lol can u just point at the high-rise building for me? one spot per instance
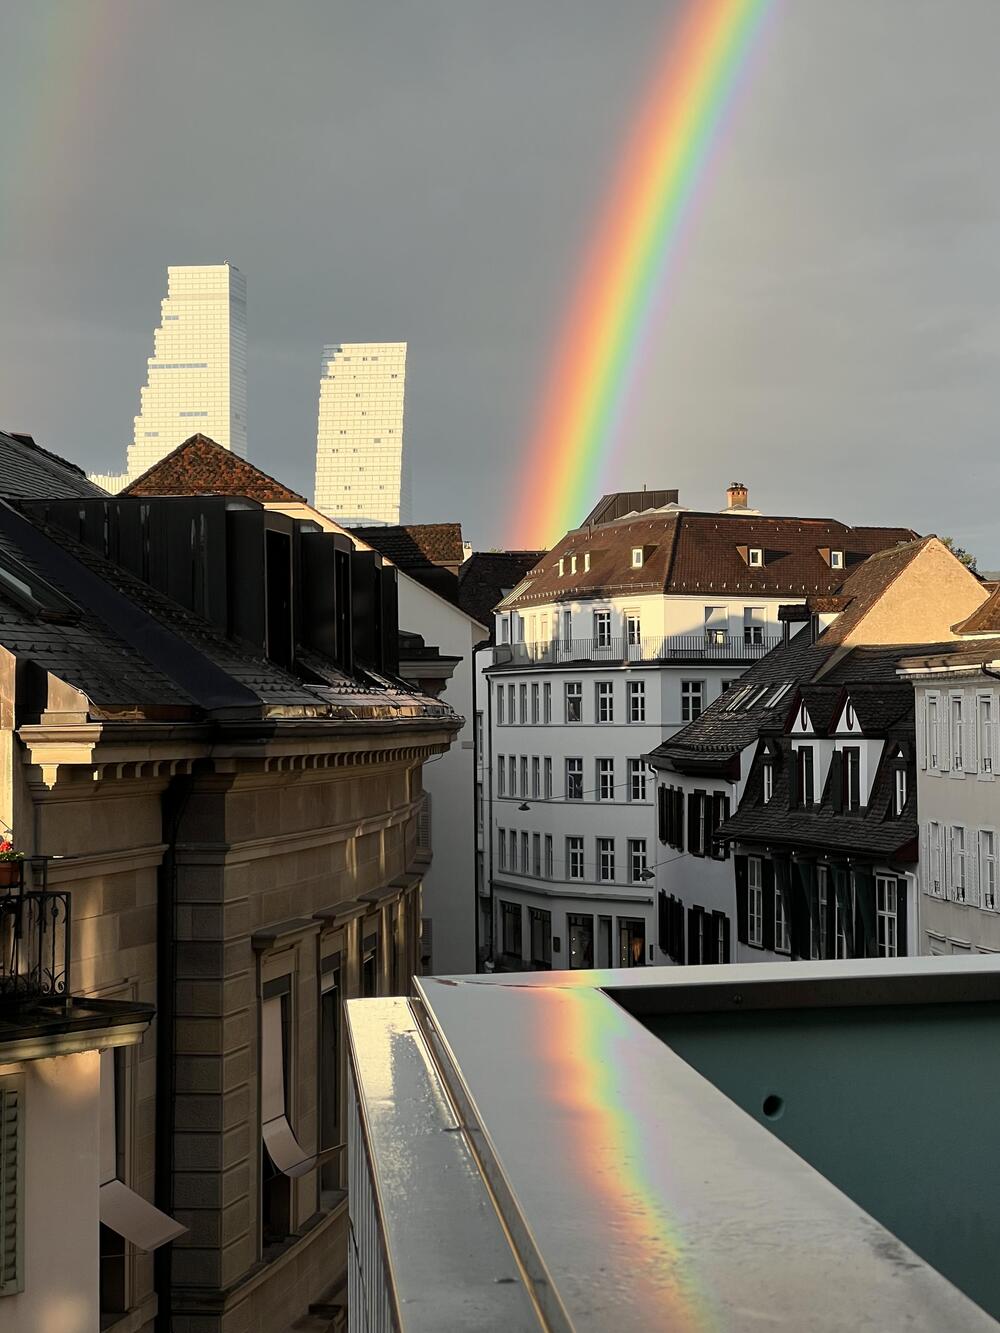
(360, 473)
(196, 379)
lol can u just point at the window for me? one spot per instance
(636, 696)
(330, 1056)
(574, 858)
(957, 723)
(500, 709)
(548, 856)
(502, 848)
(818, 933)
(631, 942)
(720, 813)
(768, 780)
(807, 781)
(504, 625)
(572, 564)
(958, 881)
(778, 694)
(633, 629)
(281, 1152)
(535, 711)
(605, 701)
(988, 869)
(839, 929)
(984, 726)
(536, 855)
(512, 775)
(574, 779)
(512, 847)
(12, 1203)
(606, 860)
(574, 701)
(510, 929)
(755, 913)
(580, 930)
(836, 560)
(605, 779)
(753, 624)
(524, 775)
(536, 777)
(852, 777)
(501, 776)
(932, 731)
(562, 567)
(636, 860)
(525, 864)
(782, 936)
(479, 733)
(636, 780)
(602, 629)
(567, 628)
(523, 697)
(511, 705)
(755, 557)
(547, 771)
(586, 562)
(887, 922)
(900, 791)
(637, 557)
(716, 625)
(692, 699)
(547, 702)
(935, 877)
(540, 929)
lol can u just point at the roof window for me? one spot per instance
(562, 566)
(586, 562)
(755, 557)
(637, 557)
(779, 694)
(736, 701)
(836, 560)
(572, 564)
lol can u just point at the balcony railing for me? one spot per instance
(34, 941)
(747, 647)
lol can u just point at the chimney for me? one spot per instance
(737, 495)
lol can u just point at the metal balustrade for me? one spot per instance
(34, 941)
(619, 649)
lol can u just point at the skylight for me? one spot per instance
(779, 693)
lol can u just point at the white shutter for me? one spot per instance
(970, 733)
(925, 872)
(921, 720)
(11, 1183)
(972, 868)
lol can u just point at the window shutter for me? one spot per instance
(727, 952)
(678, 825)
(742, 906)
(924, 864)
(11, 1183)
(424, 821)
(972, 869)
(767, 880)
(694, 800)
(663, 922)
(970, 736)
(921, 724)
(837, 780)
(902, 888)
(864, 884)
(725, 816)
(693, 913)
(711, 823)
(677, 931)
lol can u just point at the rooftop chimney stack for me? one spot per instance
(737, 495)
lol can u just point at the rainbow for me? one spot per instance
(577, 426)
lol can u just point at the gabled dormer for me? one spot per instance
(833, 556)
(754, 557)
(802, 723)
(846, 722)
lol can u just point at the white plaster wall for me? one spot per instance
(61, 1185)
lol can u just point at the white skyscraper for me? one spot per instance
(360, 474)
(196, 379)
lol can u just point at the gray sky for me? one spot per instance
(429, 171)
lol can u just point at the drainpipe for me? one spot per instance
(487, 795)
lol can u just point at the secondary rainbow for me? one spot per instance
(621, 282)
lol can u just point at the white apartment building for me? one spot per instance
(958, 714)
(360, 473)
(196, 379)
(626, 631)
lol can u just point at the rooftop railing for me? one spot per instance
(34, 937)
(618, 649)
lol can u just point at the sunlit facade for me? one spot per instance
(360, 473)
(196, 379)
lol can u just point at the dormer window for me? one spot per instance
(836, 560)
(755, 557)
(572, 564)
(637, 557)
(562, 567)
(768, 780)
(899, 803)
(586, 562)
(849, 717)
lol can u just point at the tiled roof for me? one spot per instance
(958, 653)
(488, 576)
(984, 620)
(411, 545)
(706, 553)
(27, 471)
(199, 466)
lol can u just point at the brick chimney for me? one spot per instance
(737, 495)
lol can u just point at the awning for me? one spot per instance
(132, 1217)
(283, 1147)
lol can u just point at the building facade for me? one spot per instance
(361, 477)
(196, 379)
(623, 634)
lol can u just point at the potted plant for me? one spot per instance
(10, 863)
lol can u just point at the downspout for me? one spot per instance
(173, 803)
(487, 796)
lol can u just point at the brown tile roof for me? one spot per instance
(199, 466)
(984, 620)
(412, 544)
(488, 576)
(705, 553)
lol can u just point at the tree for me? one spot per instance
(960, 553)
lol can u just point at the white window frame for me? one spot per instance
(935, 842)
(547, 778)
(576, 773)
(547, 703)
(637, 557)
(636, 692)
(605, 779)
(690, 690)
(604, 701)
(574, 857)
(535, 703)
(900, 789)
(768, 781)
(887, 915)
(573, 690)
(755, 557)
(984, 729)
(606, 860)
(755, 901)
(933, 737)
(501, 776)
(502, 848)
(633, 629)
(501, 720)
(988, 869)
(636, 859)
(836, 560)
(958, 879)
(602, 629)
(548, 856)
(782, 940)
(637, 784)
(956, 732)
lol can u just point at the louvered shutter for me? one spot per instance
(679, 818)
(11, 1183)
(742, 906)
(662, 921)
(767, 881)
(663, 813)
(970, 734)
(924, 872)
(693, 914)
(972, 868)
(678, 930)
(921, 724)
(902, 889)
(424, 822)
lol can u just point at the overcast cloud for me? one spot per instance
(428, 170)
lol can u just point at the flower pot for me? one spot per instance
(10, 873)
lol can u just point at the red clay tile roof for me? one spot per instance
(411, 544)
(984, 620)
(705, 553)
(199, 466)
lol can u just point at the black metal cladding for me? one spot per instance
(325, 595)
(366, 608)
(390, 620)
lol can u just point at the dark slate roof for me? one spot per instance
(199, 466)
(959, 653)
(984, 620)
(27, 471)
(698, 552)
(488, 576)
(413, 545)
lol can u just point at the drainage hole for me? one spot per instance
(773, 1106)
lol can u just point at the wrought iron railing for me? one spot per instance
(34, 941)
(746, 647)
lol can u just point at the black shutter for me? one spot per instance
(804, 885)
(663, 813)
(725, 816)
(678, 931)
(795, 778)
(662, 920)
(837, 781)
(864, 884)
(679, 819)
(767, 892)
(742, 906)
(901, 917)
(693, 914)
(694, 805)
(796, 898)
(726, 946)
(711, 823)
(842, 889)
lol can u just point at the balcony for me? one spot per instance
(34, 938)
(657, 649)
